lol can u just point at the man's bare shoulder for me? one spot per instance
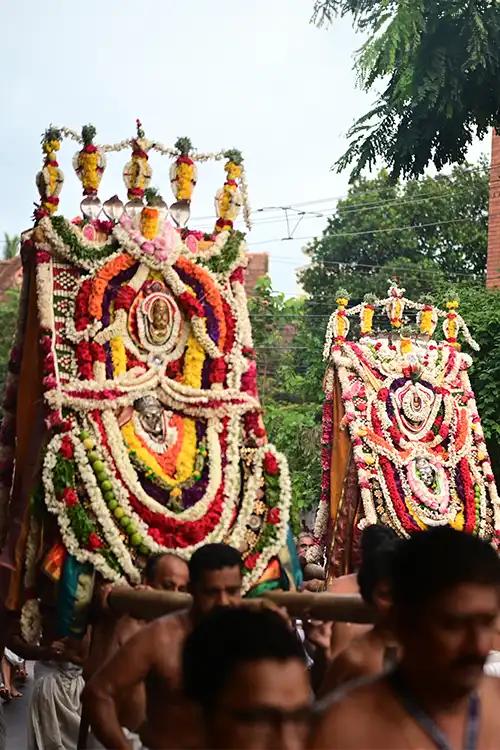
(342, 714)
(126, 628)
(357, 693)
(490, 687)
(343, 585)
(178, 622)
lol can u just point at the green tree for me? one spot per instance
(425, 232)
(437, 65)
(11, 245)
(481, 310)
(8, 321)
(290, 372)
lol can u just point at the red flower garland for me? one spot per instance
(125, 297)
(271, 465)
(190, 305)
(469, 498)
(398, 502)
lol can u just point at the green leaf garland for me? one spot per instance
(79, 251)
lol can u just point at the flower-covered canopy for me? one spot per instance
(402, 438)
(132, 421)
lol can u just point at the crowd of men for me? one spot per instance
(238, 673)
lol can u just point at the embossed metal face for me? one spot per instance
(151, 416)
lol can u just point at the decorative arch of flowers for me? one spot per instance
(418, 448)
(132, 307)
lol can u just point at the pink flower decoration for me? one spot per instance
(126, 221)
(191, 243)
(148, 247)
(169, 236)
(89, 232)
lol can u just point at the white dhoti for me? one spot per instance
(492, 666)
(54, 713)
(12, 658)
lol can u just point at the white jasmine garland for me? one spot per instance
(57, 244)
(44, 292)
(199, 326)
(100, 509)
(31, 622)
(243, 329)
(282, 528)
(58, 508)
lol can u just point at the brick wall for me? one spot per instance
(258, 266)
(493, 263)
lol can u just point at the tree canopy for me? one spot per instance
(427, 232)
(11, 245)
(438, 67)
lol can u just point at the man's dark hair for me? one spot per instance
(226, 638)
(431, 562)
(212, 557)
(378, 546)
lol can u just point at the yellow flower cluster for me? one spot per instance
(53, 179)
(233, 170)
(406, 345)
(184, 181)
(415, 517)
(193, 367)
(458, 522)
(426, 322)
(341, 327)
(452, 304)
(451, 329)
(150, 221)
(118, 356)
(366, 320)
(49, 147)
(225, 200)
(145, 456)
(396, 310)
(136, 173)
(90, 175)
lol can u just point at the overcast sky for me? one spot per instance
(251, 74)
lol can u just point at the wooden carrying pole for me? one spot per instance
(146, 605)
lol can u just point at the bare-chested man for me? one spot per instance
(154, 656)
(345, 632)
(245, 670)
(366, 654)
(446, 596)
(164, 573)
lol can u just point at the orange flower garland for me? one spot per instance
(102, 279)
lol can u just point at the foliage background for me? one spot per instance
(428, 233)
